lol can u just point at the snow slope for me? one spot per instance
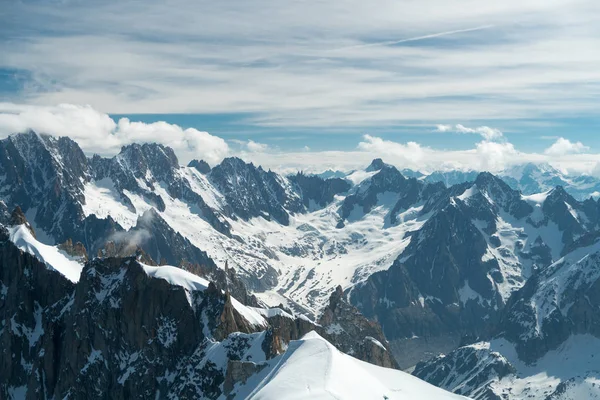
(50, 255)
(312, 368)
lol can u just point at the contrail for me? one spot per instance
(414, 39)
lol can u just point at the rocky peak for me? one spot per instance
(155, 158)
(376, 165)
(496, 191)
(559, 194)
(201, 165)
(253, 192)
(17, 217)
(320, 191)
(76, 250)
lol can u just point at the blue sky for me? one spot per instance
(527, 135)
(309, 73)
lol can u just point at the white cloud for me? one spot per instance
(494, 156)
(596, 170)
(256, 147)
(410, 153)
(564, 146)
(485, 131)
(97, 132)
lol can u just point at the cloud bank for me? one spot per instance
(97, 132)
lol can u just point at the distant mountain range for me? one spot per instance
(529, 178)
(498, 272)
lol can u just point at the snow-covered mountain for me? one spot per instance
(529, 178)
(433, 266)
(546, 342)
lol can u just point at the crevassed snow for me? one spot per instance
(50, 255)
(312, 368)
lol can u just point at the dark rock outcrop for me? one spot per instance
(253, 192)
(201, 165)
(321, 191)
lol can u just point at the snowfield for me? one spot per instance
(312, 368)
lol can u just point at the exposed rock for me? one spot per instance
(320, 191)
(74, 250)
(18, 218)
(254, 192)
(201, 165)
(239, 372)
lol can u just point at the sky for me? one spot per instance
(311, 84)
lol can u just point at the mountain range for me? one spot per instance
(136, 276)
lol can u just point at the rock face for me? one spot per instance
(346, 328)
(202, 166)
(253, 192)
(162, 243)
(467, 371)
(320, 191)
(142, 169)
(45, 176)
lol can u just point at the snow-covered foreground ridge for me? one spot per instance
(312, 368)
(68, 266)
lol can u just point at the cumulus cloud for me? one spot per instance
(256, 147)
(97, 132)
(494, 156)
(564, 146)
(411, 153)
(485, 131)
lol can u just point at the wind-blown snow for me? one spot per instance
(177, 276)
(50, 255)
(312, 368)
(190, 282)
